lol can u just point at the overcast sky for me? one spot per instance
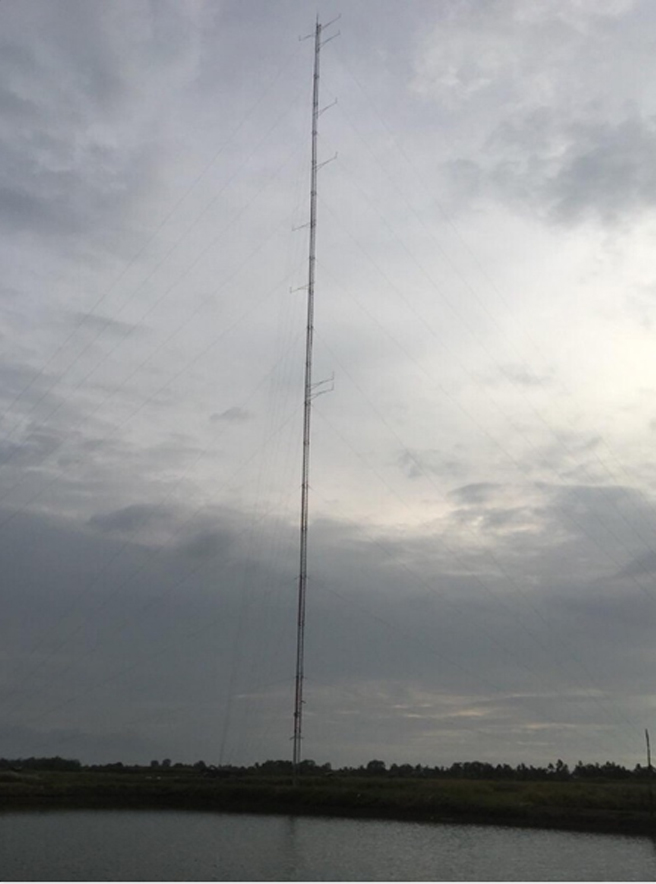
(483, 511)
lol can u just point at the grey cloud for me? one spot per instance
(15, 55)
(15, 105)
(63, 171)
(102, 324)
(560, 129)
(478, 492)
(639, 566)
(130, 519)
(417, 463)
(205, 544)
(55, 203)
(572, 455)
(201, 538)
(49, 442)
(499, 518)
(505, 511)
(607, 173)
(22, 210)
(597, 170)
(14, 377)
(32, 450)
(615, 523)
(391, 630)
(591, 495)
(524, 376)
(24, 742)
(125, 616)
(30, 396)
(235, 414)
(81, 39)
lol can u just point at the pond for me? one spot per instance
(104, 845)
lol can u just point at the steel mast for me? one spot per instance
(307, 413)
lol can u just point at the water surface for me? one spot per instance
(114, 845)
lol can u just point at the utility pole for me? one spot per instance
(649, 775)
(307, 413)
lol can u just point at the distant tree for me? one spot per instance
(154, 763)
(166, 762)
(614, 771)
(279, 768)
(561, 770)
(375, 767)
(54, 763)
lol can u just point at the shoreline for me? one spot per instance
(525, 805)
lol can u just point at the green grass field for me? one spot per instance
(592, 806)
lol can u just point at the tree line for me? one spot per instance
(467, 770)
(471, 770)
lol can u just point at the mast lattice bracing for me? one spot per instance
(307, 413)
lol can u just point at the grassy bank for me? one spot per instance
(598, 806)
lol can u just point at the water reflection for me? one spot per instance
(191, 846)
(291, 858)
